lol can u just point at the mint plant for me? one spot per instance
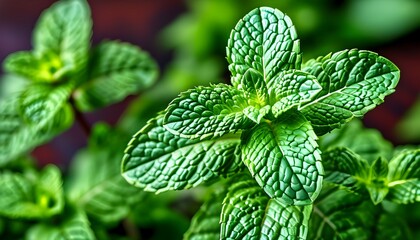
(260, 132)
(64, 76)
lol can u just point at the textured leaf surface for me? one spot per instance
(96, 184)
(345, 168)
(157, 160)
(17, 137)
(31, 196)
(264, 40)
(64, 31)
(116, 70)
(284, 158)
(248, 213)
(206, 112)
(404, 177)
(353, 82)
(74, 225)
(205, 223)
(291, 89)
(339, 214)
(41, 102)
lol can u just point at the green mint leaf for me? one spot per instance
(264, 40)
(339, 214)
(404, 177)
(17, 137)
(290, 89)
(157, 160)
(116, 70)
(73, 225)
(284, 158)
(63, 32)
(96, 184)
(366, 142)
(377, 185)
(391, 227)
(31, 197)
(254, 87)
(353, 82)
(345, 168)
(27, 65)
(205, 223)
(206, 112)
(41, 102)
(248, 213)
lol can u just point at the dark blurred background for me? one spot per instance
(188, 39)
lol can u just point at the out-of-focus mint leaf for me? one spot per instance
(116, 70)
(63, 33)
(31, 197)
(95, 184)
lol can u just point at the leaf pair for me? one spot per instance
(397, 181)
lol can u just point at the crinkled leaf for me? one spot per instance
(73, 224)
(366, 142)
(254, 87)
(205, 225)
(157, 160)
(339, 214)
(248, 213)
(18, 137)
(206, 112)
(63, 31)
(284, 158)
(96, 184)
(404, 177)
(291, 89)
(257, 113)
(41, 102)
(116, 70)
(264, 40)
(31, 197)
(345, 168)
(353, 82)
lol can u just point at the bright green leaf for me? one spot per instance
(157, 160)
(340, 214)
(27, 65)
(345, 168)
(284, 158)
(17, 137)
(96, 184)
(264, 40)
(253, 85)
(31, 197)
(63, 32)
(291, 89)
(404, 177)
(116, 70)
(206, 112)
(248, 213)
(353, 82)
(73, 224)
(205, 223)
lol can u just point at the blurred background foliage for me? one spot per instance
(188, 38)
